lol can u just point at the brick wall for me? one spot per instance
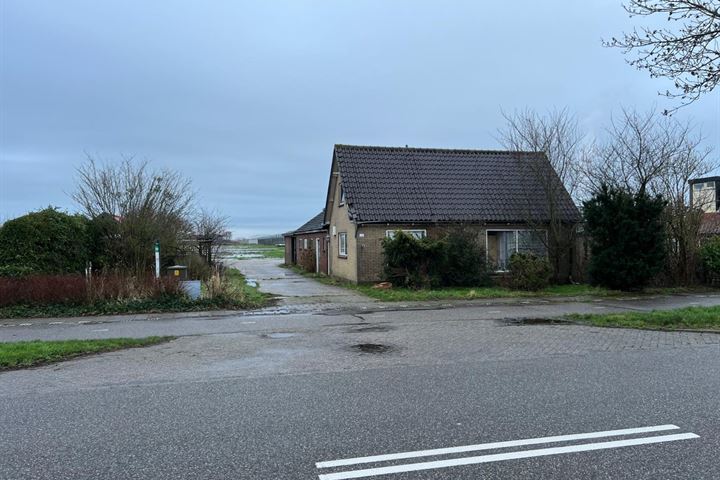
(370, 252)
(288, 250)
(341, 267)
(305, 257)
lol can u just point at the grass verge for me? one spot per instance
(238, 296)
(459, 293)
(14, 355)
(473, 293)
(691, 318)
(469, 293)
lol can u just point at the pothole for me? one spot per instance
(372, 348)
(277, 335)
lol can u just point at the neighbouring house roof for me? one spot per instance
(693, 181)
(313, 225)
(710, 224)
(395, 184)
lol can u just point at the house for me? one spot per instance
(309, 245)
(375, 191)
(705, 194)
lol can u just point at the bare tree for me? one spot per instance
(683, 219)
(689, 54)
(640, 150)
(149, 205)
(637, 152)
(658, 155)
(209, 232)
(558, 135)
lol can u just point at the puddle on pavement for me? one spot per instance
(533, 321)
(251, 282)
(372, 348)
(278, 335)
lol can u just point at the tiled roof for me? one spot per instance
(710, 224)
(394, 184)
(315, 223)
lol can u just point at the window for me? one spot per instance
(342, 195)
(531, 241)
(342, 244)
(305, 243)
(417, 234)
(501, 244)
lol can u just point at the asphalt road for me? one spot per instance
(271, 403)
(311, 315)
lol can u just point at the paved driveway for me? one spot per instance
(292, 288)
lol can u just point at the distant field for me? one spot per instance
(241, 252)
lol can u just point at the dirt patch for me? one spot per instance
(534, 321)
(371, 328)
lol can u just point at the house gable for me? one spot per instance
(343, 254)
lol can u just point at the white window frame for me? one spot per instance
(342, 244)
(516, 230)
(423, 233)
(305, 243)
(342, 196)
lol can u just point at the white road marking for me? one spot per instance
(56, 323)
(247, 323)
(493, 445)
(495, 311)
(101, 330)
(24, 324)
(587, 447)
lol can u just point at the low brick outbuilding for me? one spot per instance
(309, 245)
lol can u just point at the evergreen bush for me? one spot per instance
(710, 256)
(454, 260)
(44, 242)
(627, 238)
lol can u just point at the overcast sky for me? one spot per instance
(248, 98)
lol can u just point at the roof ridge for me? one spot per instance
(437, 149)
